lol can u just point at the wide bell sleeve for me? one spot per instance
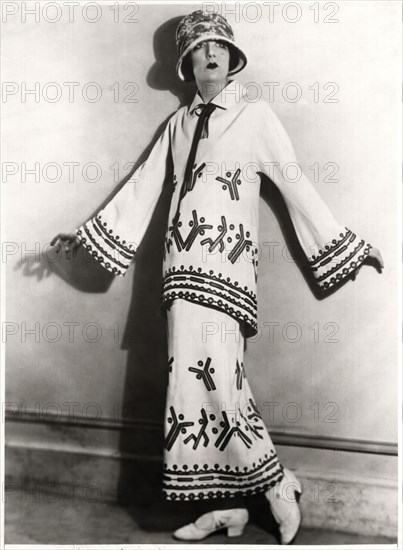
(114, 233)
(333, 250)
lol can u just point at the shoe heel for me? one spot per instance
(235, 530)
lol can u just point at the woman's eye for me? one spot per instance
(200, 45)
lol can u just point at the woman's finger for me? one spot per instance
(64, 237)
(381, 262)
(355, 273)
(55, 239)
(376, 254)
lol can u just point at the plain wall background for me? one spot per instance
(127, 374)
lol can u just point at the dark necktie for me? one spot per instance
(201, 131)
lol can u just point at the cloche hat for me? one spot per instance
(199, 26)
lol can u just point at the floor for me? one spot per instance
(40, 518)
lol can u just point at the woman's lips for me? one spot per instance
(212, 66)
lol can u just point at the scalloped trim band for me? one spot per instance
(212, 290)
(105, 247)
(204, 482)
(338, 261)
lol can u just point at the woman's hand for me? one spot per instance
(67, 242)
(374, 258)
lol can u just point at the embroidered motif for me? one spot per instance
(196, 229)
(240, 375)
(178, 427)
(218, 481)
(219, 241)
(241, 245)
(346, 269)
(202, 432)
(205, 374)
(212, 290)
(197, 173)
(114, 260)
(346, 251)
(228, 432)
(331, 249)
(200, 228)
(253, 420)
(231, 184)
(102, 229)
(188, 186)
(255, 262)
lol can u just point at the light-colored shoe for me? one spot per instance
(283, 499)
(233, 520)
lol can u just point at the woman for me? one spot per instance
(216, 444)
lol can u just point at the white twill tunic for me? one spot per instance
(216, 443)
(211, 250)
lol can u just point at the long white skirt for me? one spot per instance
(216, 443)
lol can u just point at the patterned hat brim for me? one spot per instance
(242, 61)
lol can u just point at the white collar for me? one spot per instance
(225, 99)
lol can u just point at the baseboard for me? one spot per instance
(279, 437)
(343, 490)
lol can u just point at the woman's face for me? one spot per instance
(210, 61)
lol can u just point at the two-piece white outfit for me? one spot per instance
(216, 444)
